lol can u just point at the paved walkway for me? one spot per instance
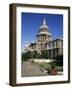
(28, 69)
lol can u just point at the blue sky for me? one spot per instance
(31, 23)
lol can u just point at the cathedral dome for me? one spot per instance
(44, 26)
(44, 29)
(44, 35)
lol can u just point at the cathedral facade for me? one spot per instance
(45, 42)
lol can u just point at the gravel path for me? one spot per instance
(28, 69)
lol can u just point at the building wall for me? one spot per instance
(54, 48)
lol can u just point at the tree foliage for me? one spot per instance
(35, 54)
(26, 56)
(59, 60)
(44, 54)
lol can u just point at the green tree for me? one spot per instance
(26, 56)
(59, 60)
(35, 54)
(44, 54)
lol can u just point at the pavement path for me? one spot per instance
(29, 69)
